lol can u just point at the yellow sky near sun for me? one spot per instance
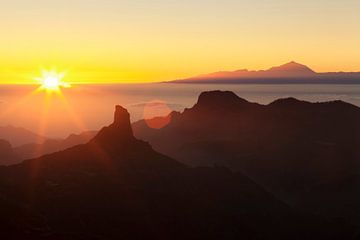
(142, 41)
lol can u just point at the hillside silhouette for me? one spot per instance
(7, 154)
(10, 155)
(33, 150)
(116, 186)
(302, 152)
(17, 136)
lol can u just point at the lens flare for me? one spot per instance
(157, 114)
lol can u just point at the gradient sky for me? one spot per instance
(142, 40)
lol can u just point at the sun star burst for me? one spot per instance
(52, 80)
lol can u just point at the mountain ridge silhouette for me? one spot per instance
(288, 146)
(116, 186)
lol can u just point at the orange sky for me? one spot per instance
(145, 41)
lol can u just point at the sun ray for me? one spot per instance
(51, 85)
(70, 110)
(97, 150)
(36, 164)
(16, 105)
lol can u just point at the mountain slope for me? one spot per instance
(288, 146)
(34, 150)
(19, 136)
(117, 187)
(7, 155)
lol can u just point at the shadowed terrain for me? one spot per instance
(117, 187)
(7, 154)
(307, 154)
(33, 150)
(10, 155)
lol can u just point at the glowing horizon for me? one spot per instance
(140, 41)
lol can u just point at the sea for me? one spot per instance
(90, 107)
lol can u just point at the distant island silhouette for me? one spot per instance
(289, 73)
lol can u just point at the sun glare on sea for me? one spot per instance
(52, 81)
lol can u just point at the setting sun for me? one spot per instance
(52, 80)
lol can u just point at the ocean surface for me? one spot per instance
(90, 107)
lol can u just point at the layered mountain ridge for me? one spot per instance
(17, 136)
(290, 147)
(116, 186)
(34, 150)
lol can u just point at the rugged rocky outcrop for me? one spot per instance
(117, 186)
(290, 147)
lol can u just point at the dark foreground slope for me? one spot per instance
(7, 154)
(308, 154)
(118, 187)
